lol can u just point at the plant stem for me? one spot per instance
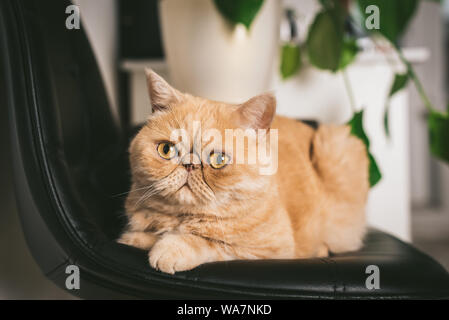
(349, 91)
(415, 79)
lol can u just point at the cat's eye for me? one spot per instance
(218, 160)
(167, 150)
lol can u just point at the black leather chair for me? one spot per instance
(70, 163)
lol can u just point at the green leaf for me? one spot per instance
(290, 60)
(387, 120)
(356, 124)
(239, 11)
(438, 124)
(325, 40)
(400, 82)
(350, 50)
(374, 172)
(394, 16)
(327, 3)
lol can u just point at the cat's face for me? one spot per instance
(187, 153)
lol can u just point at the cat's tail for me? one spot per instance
(341, 162)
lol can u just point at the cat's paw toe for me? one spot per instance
(172, 254)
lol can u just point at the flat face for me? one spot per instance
(196, 154)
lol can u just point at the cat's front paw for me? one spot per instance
(138, 239)
(174, 253)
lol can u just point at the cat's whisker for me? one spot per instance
(152, 190)
(131, 191)
(149, 194)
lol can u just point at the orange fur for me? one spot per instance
(313, 204)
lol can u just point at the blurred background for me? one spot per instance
(190, 44)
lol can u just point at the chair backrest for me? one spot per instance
(68, 150)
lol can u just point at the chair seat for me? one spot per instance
(70, 163)
(405, 273)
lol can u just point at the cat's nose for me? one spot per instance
(190, 166)
(191, 161)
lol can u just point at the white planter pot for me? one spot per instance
(209, 57)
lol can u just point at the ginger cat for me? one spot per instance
(188, 208)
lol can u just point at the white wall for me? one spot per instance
(99, 19)
(426, 30)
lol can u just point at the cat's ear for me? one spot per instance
(258, 112)
(162, 95)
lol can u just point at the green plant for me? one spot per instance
(330, 48)
(239, 11)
